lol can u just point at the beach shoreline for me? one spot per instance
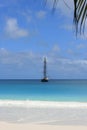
(13, 126)
(42, 104)
(43, 112)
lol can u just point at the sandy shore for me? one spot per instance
(11, 126)
(39, 114)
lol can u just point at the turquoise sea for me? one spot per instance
(54, 90)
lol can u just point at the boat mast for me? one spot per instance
(45, 79)
(45, 67)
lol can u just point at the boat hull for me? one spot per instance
(44, 80)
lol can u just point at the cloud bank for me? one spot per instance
(30, 65)
(13, 30)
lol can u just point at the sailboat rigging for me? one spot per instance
(45, 79)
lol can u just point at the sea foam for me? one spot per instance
(41, 104)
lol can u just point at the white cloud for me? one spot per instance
(13, 30)
(8, 57)
(41, 14)
(71, 68)
(27, 62)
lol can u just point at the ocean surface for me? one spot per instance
(54, 90)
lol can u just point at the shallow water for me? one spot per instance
(54, 90)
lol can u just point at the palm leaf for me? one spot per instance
(80, 13)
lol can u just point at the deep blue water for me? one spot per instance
(54, 90)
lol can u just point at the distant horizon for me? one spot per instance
(40, 79)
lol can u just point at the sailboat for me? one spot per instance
(45, 79)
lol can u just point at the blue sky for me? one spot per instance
(29, 31)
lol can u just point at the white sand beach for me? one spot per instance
(10, 126)
(40, 115)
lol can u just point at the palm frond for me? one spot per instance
(80, 15)
(54, 5)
